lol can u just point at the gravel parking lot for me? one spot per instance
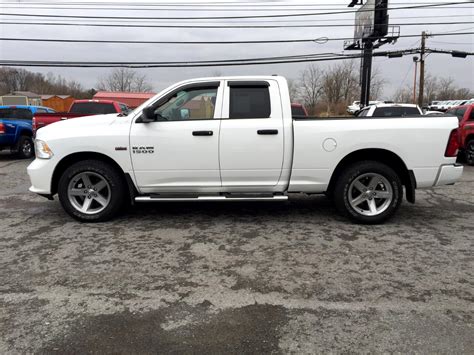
(287, 277)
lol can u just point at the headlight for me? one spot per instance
(42, 150)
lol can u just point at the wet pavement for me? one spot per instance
(279, 277)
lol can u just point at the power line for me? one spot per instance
(197, 4)
(199, 8)
(122, 25)
(315, 57)
(227, 17)
(319, 40)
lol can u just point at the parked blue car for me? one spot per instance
(16, 128)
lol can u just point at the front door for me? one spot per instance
(178, 152)
(251, 137)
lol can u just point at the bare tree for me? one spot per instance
(403, 95)
(310, 87)
(377, 84)
(124, 79)
(340, 83)
(294, 89)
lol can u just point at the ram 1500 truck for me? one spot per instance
(79, 108)
(234, 139)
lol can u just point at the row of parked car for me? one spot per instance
(18, 124)
(444, 106)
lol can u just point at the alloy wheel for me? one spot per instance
(370, 194)
(89, 192)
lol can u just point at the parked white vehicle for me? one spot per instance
(391, 110)
(356, 107)
(234, 139)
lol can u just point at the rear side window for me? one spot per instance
(396, 111)
(16, 114)
(93, 108)
(471, 116)
(249, 101)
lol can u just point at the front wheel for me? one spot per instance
(91, 191)
(469, 152)
(368, 192)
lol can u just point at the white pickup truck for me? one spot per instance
(234, 139)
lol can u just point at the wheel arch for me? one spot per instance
(70, 159)
(383, 156)
(25, 132)
(469, 137)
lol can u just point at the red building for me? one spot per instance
(132, 99)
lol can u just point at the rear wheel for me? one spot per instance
(469, 152)
(91, 191)
(368, 192)
(26, 148)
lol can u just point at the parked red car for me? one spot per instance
(79, 108)
(465, 115)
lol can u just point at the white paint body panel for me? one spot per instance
(301, 158)
(419, 141)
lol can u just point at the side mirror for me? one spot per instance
(184, 113)
(148, 115)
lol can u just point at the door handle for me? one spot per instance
(267, 131)
(203, 133)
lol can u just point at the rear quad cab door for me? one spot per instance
(251, 137)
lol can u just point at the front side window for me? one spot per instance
(193, 103)
(249, 101)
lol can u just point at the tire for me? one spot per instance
(382, 196)
(469, 152)
(26, 148)
(92, 191)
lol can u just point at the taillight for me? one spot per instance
(453, 144)
(2, 128)
(33, 122)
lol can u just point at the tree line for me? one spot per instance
(323, 90)
(328, 91)
(120, 79)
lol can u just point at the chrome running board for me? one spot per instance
(209, 198)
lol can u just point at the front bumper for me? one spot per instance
(449, 174)
(41, 172)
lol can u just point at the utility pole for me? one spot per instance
(422, 69)
(366, 72)
(415, 59)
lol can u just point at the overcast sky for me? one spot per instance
(397, 72)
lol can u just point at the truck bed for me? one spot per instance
(320, 143)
